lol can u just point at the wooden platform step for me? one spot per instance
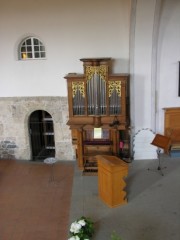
(90, 168)
(90, 173)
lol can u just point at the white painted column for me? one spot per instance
(141, 69)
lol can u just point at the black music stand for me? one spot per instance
(162, 143)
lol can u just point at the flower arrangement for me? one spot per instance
(81, 229)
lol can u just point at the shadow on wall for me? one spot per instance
(142, 147)
(142, 111)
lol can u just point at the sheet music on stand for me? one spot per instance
(161, 142)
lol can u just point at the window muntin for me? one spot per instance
(32, 48)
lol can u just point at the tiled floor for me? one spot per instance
(153, 208)
(32, 206)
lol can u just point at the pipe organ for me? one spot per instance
(98, 99)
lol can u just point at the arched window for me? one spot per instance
(32, 48)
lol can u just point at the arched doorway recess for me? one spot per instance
(41, 135)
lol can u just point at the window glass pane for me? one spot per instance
(28, 41)
(29, 49)
(36, 48)
(36, 41)
(37, 55)
(23, 44)
(42, 48)
(43, 55)
(40, 43)
(23, 49)
(23, 55)
(29, 55)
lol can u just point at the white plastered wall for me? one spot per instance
(70, 30)
(155, 63)
(141, 46)
(168, 60)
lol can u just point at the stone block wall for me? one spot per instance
(14, 126)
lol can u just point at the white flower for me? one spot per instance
(82, 222)
(75, 238)
(75, 227)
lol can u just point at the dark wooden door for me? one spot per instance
(41, 135)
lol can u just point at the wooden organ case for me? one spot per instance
(98, 112)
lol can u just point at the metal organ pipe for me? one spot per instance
(78, 101)
(96, 90)
(96, 94)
